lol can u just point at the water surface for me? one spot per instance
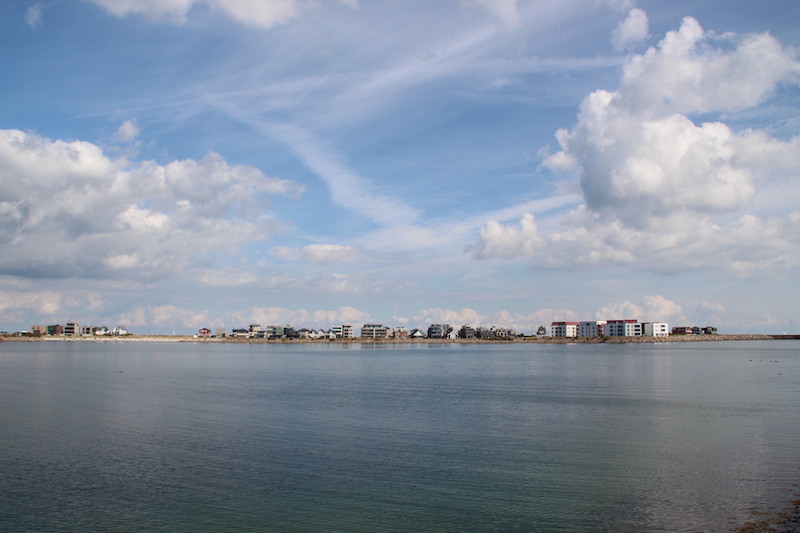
(447, 437)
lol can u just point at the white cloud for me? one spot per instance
(499, 241)
(97, 216)
(322, 254)
(258, 13)
(172, 10)
(321, 318)
(33, 16)
(653, 308)
(436, 315)
(127, 131)
(15, 305)
(662, 192)
(691, 72)
(170, 315)
(521, 323)
(630, 31)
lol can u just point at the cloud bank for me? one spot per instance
(661, 191)
(68, 209)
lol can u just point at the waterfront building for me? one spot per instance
(439, 331)
(345, 331)
(39, 330)
(656, 329)
(72, 328)
(591, 328)
(564, 329)
(400, 333)
(466, 332)
(623, 328)
(374, 331)
(275, 332)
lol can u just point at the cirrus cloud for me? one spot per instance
(258, 13)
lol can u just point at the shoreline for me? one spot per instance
(387, 341)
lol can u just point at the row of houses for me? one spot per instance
(623, 328)
(367, 331)
(71, 329)
(609, 328)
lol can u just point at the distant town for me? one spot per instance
(582, 329)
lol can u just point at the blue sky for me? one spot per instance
(174, 164)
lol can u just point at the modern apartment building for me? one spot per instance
(439, 331)
(564, 329)
(374, 331)
(656, 329)
(591, 328)
(623, 328)
(345, 331)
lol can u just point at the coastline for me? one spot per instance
(360, 340)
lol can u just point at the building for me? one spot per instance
(221, 333)
(623, 328)
(439, 331)
(682, 330)
(466, 332)
(38, 330)
(72, 328)
(656, 329)
(591, 328)
(204, 332)
(345, 331)
(564, 329)
(374, 331)
(400, 333)
(275, 332)
(55, 329)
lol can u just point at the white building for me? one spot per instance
(623, 328)
(564, 329)
(656, 329)
(591, 328)
(345, 331)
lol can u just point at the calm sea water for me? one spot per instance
(222, 437)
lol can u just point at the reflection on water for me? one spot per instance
(440, 437)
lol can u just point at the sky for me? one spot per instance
(168, 165)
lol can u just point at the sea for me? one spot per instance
(207, 437)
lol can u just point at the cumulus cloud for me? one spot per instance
(653, 308)
(67, 209)
(519, 322)
(43, 304)
(258, 13)
(662, 192)
(630, 31)
(321, 318)
(127, 131)
(499, 241)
